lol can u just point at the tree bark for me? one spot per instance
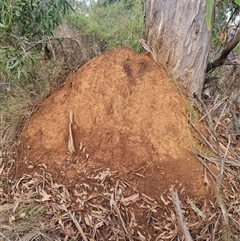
(177, 32)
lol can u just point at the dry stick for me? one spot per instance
(71, 147)
(235, 120)
(78, 227)
(210, 123)
(214, 107)
(180, 217)
(220, 117)
(205, 165)
(144, 171)
(215, 227)
(233, 80)
(121, 219)
(47, 40)
(236, 222)
(227, 234)
(1, 234)
(199, 132)
(53, 52)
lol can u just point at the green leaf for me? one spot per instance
(14, 64)
(208, 16)
(237, 2)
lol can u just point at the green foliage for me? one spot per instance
(23, 21)
(114, 24)
(225, 11)
(209, 12)
(237, 2)
(15, 62)
(29, 18)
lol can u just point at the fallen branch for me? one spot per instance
(2, 235)
(226, 51)
(47, 40)
(180, 217)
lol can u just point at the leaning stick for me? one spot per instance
(71, 147)
(180, 217)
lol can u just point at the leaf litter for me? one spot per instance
(104, 207)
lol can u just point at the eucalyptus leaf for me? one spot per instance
(2, 25)
(209, 12)
(237, 2)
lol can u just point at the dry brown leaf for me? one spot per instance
(6, 207)
(31, 235)
(161, 235)
(223, 35)
(164, 201)
(140, 236)
(22, 215)
(131, 199)
(45, 196)
(11, 219)
(170, 236)
(98, 225)
(88, 220)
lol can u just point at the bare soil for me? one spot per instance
(127, 116)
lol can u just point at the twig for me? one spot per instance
(227, 234)
(215, 227)
(71, 147)
(234, 75)
(204, 138)
(210, 123)
(1, 234)
(220, 117)
(42, 41)
(113, 203)
(78, 227)
(222, 158)
(180, 217)
(53, 52)
(144, 171)
(205, 165)
(235, 121)
(214, 107)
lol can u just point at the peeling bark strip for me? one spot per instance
(177, 32)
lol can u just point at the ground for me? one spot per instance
(127, 116)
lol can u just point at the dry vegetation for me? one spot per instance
(37, 208)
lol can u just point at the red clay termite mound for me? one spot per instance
(127, 116)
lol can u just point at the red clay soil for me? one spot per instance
(127, 116)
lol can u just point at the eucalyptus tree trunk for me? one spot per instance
(178, 35)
